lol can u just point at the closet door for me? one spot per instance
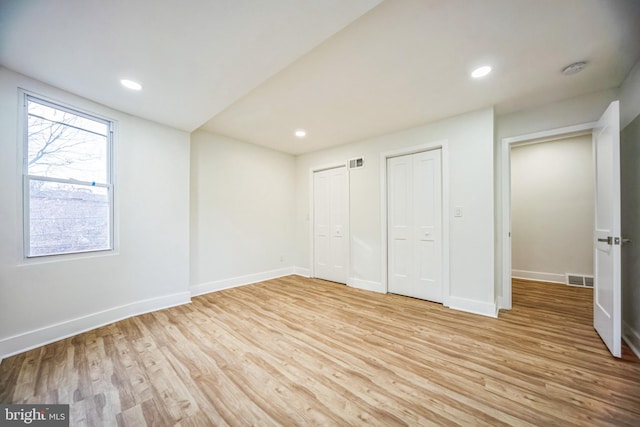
(330, 228)
(414, 200)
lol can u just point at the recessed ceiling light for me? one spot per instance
(301, 133)
(130, 84)
(481, 72)
(576, 67)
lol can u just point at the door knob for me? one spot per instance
(614, 241)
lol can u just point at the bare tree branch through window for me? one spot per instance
(69, 189)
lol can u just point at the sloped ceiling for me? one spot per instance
(194, 58)
(343, 70)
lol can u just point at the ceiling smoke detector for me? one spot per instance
(576, 67)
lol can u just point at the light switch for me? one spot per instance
(458, 212)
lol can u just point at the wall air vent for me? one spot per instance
(356, 163)
(579, 280)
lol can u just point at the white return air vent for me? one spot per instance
(579, 280)
(356, 163)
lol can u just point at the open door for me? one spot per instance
(606, 262)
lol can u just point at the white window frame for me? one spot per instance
(26, 178)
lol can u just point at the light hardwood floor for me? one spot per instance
(295, 351)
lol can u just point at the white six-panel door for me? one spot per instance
(607, 285)
(331, 224)
(414, 201)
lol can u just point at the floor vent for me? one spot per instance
(579, 280)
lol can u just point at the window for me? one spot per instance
(68, 188)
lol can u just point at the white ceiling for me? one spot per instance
(194, 58)
(344, 70)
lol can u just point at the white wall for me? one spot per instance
(630, 198)
(470, 142)
(582, 109)
(630, 96)
(44, 300)
(242, 212)
(552, 209)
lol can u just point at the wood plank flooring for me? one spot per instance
(295, 351)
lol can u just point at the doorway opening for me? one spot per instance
(552, 210)
(606, 227)
(507, 145)
(552, 217)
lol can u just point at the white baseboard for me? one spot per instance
(632, 338)
(232, 282)
(472, 306)
(539, 276)
(301, 271)
(38, 337)
(366, 285)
